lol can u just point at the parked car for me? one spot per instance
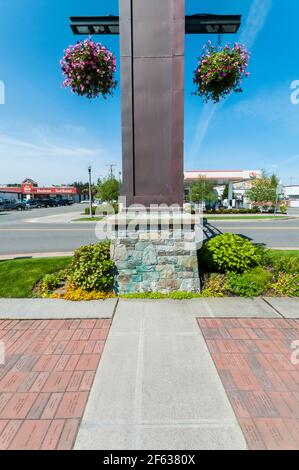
(32, 204)
(11, 204)
(6, 204)
(47, 202)
(20, 206)
(97, 202)
(64, 202)
(61, 202)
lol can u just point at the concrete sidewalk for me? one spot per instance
(64, 218)
(157, 386)
(38, 309)
(227, 307)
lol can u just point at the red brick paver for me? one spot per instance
(46, 380)
(253, 359)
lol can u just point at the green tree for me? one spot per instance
(83, 188)
(263, 189)
(225, 192)
(109, 189)
(202, 190)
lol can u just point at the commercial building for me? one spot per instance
(238, 182)
(29, 189)
(292, 195)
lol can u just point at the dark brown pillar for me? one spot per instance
(152, 83)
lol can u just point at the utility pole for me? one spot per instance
(278, 194)
(90, 193)
(111, 170)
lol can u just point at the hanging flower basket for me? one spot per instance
(220, 71)
(89, 69)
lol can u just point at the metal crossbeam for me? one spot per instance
(195, 24)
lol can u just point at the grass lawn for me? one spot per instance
(283, 253)
(245, 217)
(88, 219)
(18, 277)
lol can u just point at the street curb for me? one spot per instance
(55, 254)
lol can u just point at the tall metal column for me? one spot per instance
(152, 35)
(152, 82)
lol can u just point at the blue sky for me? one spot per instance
(48, 134)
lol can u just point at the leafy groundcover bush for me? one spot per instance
(92, 268)
(51, 282)
(249, 284)
(77, 294)
(231, 265)
(91, 276)
(286, 285)
(214, 285)
(289, 265)
(229, 253)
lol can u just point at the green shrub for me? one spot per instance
(178, 295)
(229, 253)
(53, 281)
(265, 254)
(183, 295)
(214, 285)
(76, 294)
(286, 264)
(249, 284)
(222, 210)
(287, 285)
(144, 295)
(101, 209)
(92, 268)
(87, 210)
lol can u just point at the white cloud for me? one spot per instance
(255, 22)
(271, 107)
(49, 155)
(41, 148)
(202, 129)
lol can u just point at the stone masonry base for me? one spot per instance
(156, 261)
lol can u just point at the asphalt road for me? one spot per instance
(21, 233)
(28, 232)
(273, 233)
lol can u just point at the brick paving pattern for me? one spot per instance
(253, 359)
(46, 379)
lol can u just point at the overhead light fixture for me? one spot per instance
(195, 24)
(213, 24)
(95, 25)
